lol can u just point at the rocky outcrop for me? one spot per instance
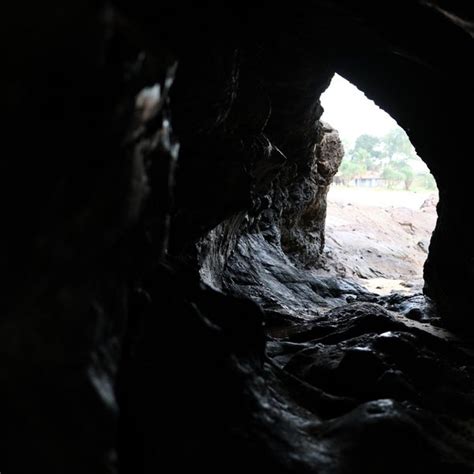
(262, 254)
(302, 232)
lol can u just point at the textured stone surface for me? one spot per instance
(114, 357)
(406, 374)
(269, 254)
(302, 230)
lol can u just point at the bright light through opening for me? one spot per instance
(381, 207)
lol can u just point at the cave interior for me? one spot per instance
(163, 211)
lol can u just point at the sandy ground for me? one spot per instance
(379, 237)
(378, 197)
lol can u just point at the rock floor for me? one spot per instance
(384, 385)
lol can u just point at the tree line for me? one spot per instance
(389, 157)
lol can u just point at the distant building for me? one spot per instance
(366, 180)
(369, 180)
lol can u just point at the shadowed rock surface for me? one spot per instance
(165, 174)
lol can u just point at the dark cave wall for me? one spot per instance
(91, 312)
(422, 79)
(76, 171)
(420, 76)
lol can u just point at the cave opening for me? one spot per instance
(381, 206)
(166, 174)
(318, 233)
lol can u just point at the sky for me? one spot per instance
(348, 110)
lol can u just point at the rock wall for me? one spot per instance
(418, 77)
(114, 355)
(270, 252)
(305, 214)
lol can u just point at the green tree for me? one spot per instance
(389, 155)
(392, 175)
(399, 171)
(367, 150)
(426, 181)
(397, 145)
(368, 143)
(349, 169)
(406, 170)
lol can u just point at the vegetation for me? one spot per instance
(389, 158)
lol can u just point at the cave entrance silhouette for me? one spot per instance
(382, 203)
